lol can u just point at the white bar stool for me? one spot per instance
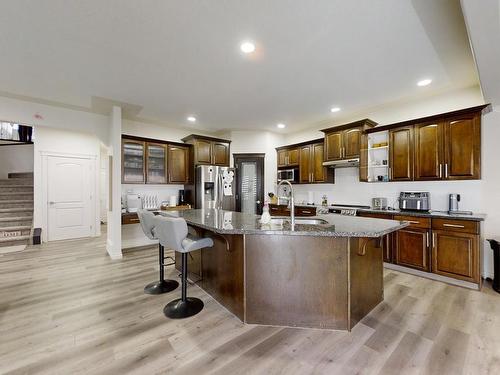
(173, 233)
(147, 220)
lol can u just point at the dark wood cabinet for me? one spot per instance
(209, 150)
(178, 164)
(283, 210)
(334, 146)
(156, 163)
(412, 248)
(387, 240)
(288, 157)
(446, 146)
(455, 254)
(311, 169)
(462, 147)
(429, 151)
(344, 141)
(133, 161)
(401, 154)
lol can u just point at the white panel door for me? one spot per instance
(69, 198)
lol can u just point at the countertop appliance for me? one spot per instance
(379, 203)
(134, 202)
(415, 201)
(290, 175)
(215, 187)
(453, 202)
(182, 197)
(345, 209)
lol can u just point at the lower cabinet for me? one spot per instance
(455, 254)
(282, 210)
(412, 248)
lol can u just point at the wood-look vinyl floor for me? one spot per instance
(67, 308)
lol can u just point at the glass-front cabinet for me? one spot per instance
(133, 162)
(156, 170)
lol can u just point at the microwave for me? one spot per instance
(291, 175)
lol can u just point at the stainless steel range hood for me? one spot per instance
(347, 163)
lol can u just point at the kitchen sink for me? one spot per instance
(298, 220)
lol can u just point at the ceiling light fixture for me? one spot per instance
(247, 47)
(281, 126)
(424, 82)
(334, 109)
(191, 119)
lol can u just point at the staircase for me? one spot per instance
(16, 209)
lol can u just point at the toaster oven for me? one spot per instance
(415, 201)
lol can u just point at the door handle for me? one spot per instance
(51, 203)
(446, 170)
(440, 170)
(427, 238)
(258, 202)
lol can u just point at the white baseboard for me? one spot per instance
(113, 253)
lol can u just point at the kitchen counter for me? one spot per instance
(321, 276)
(431, 214)
(229, 222)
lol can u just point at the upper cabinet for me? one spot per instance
(153, 161)
(311, 169)
(178, 164)
(208, 150)
(288, 157)
(440, 147)
(344, 141)
(133, 161)
(401, 154)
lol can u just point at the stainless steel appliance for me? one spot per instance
(290, 175)
(346, 163)
(415, 201)
(345, 209)
(182, 197)
(379, 203)
(453, 202)
(215, 187)
(134, 202)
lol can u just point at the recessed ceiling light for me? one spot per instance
(191, 119)
(424, 82)
(281, 126)
(334, 109)
(247, 47)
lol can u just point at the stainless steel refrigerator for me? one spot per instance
(215, 187)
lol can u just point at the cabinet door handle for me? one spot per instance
(427, 238)
(433, 240)
(446, 170)
(453, 225)
(440, 170)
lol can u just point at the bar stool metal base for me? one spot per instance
(160, 287)
(178, 309)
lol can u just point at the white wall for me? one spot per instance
(162, 132)
(51, 140)
(15, 158)
(258, 142)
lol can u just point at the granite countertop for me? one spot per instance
(431, 214)
(229, 222)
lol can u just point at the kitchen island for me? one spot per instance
(326, 272)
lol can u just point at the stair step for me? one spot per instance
(20, 203)
(15, 221)
(16, 211)
(16, 181)
(15, 228)
(16, 188)
(20, 175)
(14, 195)
(14, 241)
(15, 232)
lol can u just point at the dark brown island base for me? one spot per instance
(326, 272)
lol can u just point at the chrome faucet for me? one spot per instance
(291, 205)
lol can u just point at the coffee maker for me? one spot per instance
(182, 197)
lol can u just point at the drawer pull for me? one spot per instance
(134, 220)
(414, 222)
(453, 225)
(305, 211)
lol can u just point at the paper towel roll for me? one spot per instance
(310, 197)
(173, 200)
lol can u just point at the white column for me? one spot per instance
(114, 240)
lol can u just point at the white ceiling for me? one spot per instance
(170, 59)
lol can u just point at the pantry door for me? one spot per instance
(249, 182)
